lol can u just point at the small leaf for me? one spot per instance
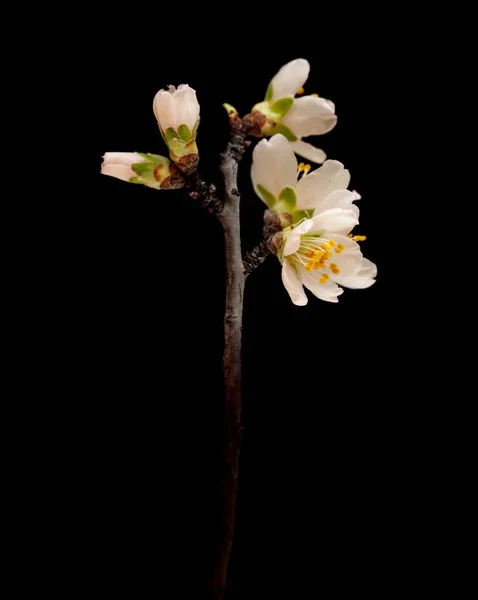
(185, 132)
(289, 198)
(231, 111)
(269, 93)
(281, 107)
(268, 198)
(170, 134)
(286, 132)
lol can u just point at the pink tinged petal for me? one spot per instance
(121, 158)
(293, 285)
(328, 292)
(165, 110)
(119, 171)
(309, 152)
(292, 243)
(187, 106)
(290, 78)
(312, 189)
(335, 220)
(310, 116)
(274, 165)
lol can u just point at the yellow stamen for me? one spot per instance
(314, 95)
(301, 166)
(322, 280)
(300, 91)
(306, 169)
(340, 248)
(359, 238)
(350, 235)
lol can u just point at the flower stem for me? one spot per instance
(235, 279)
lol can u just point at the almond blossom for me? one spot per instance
(294, 117)
(319, 251)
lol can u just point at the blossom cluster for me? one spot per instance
(316, 247)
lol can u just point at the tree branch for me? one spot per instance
(255, 257)
(235, 279)
(206, 192)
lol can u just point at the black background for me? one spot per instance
(325, 485)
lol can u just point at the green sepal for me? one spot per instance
(300, 215)
(195, 130)
(170, 134)
(156, 158)
(288, 198)
(136, 180)
(262, 107)
(269, 93)
(281, 107)
(286, 132)
(185, 133)
(143, 168)
(268, 198)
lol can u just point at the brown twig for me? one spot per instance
(235, 279)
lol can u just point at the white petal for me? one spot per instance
(325, 291)
(312, 189)
(363, 279)
(274, 165)
(187, 106)
(368, 269)
(290, 78)
(310, 116)
(340, 199)
(119, 171)
(308, 151)
(292, 243)
(121, 158)
(349, 260)
(165, 110)
(293, 285)
(335, 220)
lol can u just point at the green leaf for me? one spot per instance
(185, 132)
(281, 128)
(281, 107)
(269, 93)
(142, 168)
(289, 198)
(170, 134)
(268, 198)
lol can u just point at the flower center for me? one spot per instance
(315, 254)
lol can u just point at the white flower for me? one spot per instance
(176, 107)
(319, 252)
(151, 170)
(298, 117)
(118, 164)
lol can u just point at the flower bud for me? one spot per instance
(151, 170)
(177, 113)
